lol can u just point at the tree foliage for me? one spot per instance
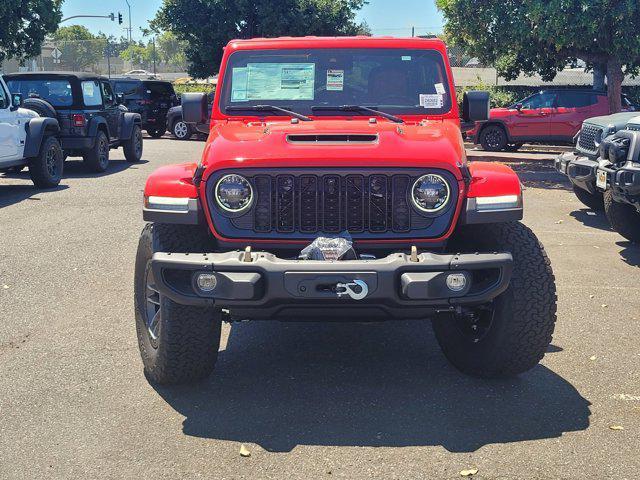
(80, 48)
(24, 26)
(207, 25)
(543, 36)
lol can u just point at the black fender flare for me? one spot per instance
(173, 117)
(129, 119)
(38, 128)
(489, 122)
(95, 124)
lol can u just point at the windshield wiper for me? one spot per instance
(267, 108)
(357, 108)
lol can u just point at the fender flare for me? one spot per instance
(172, 116)
(129, 119)
(37, 128)
(94, 124)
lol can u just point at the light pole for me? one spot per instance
(129, 5)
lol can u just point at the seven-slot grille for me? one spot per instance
(587, 140)
(332, 203)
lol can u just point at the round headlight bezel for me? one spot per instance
(223, 207)
(430, 211)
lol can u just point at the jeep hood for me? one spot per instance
(619, 120)
(334, 143)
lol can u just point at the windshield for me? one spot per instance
(394, 80)
(56, 92)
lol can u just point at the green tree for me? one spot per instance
(205, 26)
(25, 24)
(139, 54)
(80, 48)
(543, 36)
(171, 50)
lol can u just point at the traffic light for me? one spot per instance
(119, 18)
(112, 16)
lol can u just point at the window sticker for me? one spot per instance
(335, 80)
(273, 81)
(239, 84)
(406, 58)
(428, 100)
(88, 89)
(439, 88)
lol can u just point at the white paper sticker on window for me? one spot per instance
(335, 80)
(439, 88)
(406, 58)
(428, 100)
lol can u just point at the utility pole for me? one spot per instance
(129, 5)
(413, 31)
(154, 54)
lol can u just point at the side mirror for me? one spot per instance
(518, 106)
(120, 98)
(194, 108)
(475, 108)
(16, 100)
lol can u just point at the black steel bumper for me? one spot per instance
(580, 170)
(260, 285)
(624, 182)
(77, 143)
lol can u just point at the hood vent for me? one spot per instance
(332, 139)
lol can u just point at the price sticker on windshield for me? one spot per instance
(335, 80)
(429, 100)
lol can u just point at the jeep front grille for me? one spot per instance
(305, 203)
(587, 139)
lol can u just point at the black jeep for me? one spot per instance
(581, 165)
(152, 99)
(91, 117)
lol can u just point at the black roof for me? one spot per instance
(78, 75)
(136, 79)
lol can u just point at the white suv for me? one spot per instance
(26, 139)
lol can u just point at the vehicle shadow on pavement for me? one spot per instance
(588, 219)
(12, 194)
(630, 253)
(384, 385)
(75, 168)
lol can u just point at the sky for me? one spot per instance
(385, 17)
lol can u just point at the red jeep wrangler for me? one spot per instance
(334, 185)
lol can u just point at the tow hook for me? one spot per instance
(343, 289)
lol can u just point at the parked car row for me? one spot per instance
(549, 116)
(605, 170)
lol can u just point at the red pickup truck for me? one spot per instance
(549, 116)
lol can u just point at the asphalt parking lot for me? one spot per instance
(308, 400)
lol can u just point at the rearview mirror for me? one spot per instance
(194, 108)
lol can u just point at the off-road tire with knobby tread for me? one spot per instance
(186, 347)
(133, 145)
(524, 315)
(594, 201)
(41, 107)
(92, 157)
(624, 218)
(42, 174)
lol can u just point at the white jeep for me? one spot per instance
(26, 139)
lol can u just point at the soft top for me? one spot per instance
(78, 75)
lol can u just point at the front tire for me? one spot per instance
(594, 201)
(156, 132)
(97, 159)
(178, 343)
(493, 138)
(181, 130)
(46, 169)
(133, 146)
(624, 218)
(510, 335)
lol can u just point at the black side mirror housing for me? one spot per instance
(194, 108)
(475, 108)
(519, 106)
(16, 100)
(120, 98)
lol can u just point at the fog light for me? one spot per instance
(456, 282)
(206, 282)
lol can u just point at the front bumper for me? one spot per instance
(580, 170)
(624, 182)
(260, 285)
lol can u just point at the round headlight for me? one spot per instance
(234, 193)
(430, 193)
